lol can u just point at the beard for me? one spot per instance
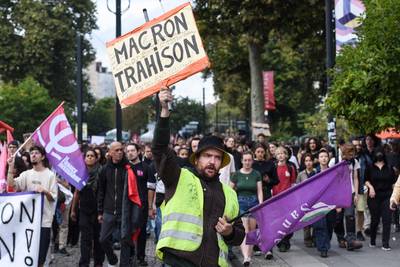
(208, 172)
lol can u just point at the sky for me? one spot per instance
(133, 18)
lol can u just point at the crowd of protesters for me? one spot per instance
(257, 171)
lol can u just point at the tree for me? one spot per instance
(366, 78)
(224, 19)
(184, 111)
(299, 72)
(243, 38)
(227, 115)
(315, 125)
(38, 39)
(136, 117)
(25, 105)
(101, 117)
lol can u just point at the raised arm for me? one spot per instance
(10, 176)
(164, 157)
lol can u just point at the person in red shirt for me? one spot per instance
(287, 175)
(286, 172)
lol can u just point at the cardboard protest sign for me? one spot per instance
(20, 221)
(159, 53)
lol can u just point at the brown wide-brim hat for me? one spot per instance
(211, 142)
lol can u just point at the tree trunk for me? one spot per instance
(257, 94)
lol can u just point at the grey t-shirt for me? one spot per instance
(30, 179)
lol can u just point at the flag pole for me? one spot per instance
(62, 103)
(30, 137)
(239, 216)
(21, 146)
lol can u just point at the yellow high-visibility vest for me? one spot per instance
(182, 217)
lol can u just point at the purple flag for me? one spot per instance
(300, 206)
(62, 150)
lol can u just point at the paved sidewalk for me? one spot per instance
(301, 256)
(73, 260)
(298, 256)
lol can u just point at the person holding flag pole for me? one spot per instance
(39, 179)
(55, 143)
(323, 228)
(299, 206)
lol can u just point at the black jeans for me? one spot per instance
(111, 223)
(45, 233)
(285, 242)
(379, 208)
(90, 233)
(141, 242)
(73, 231)
(346, 216)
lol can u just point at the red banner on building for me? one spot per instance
(269, 98)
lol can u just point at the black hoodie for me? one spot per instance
(111, 187)
(88, 194)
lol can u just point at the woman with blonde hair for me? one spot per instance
(287, 175)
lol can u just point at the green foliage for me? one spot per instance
(184, 111)
(136, 117)
(366, 80)
(101, 117)
(25, 105)
(316, 125)
(225, 111)
(297, 67)
(291, 34)
(38, 39)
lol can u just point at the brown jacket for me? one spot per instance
(214, 203)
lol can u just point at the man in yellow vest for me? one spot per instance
(197, 207)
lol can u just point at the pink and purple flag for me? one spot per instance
(300, 206)
(3, 167)
(62, 149)
(4, 127)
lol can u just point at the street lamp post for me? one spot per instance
(79, 85)
(118, 111)
(330, 62)
(204, 110)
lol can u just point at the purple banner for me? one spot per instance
(62, 150)
(300, 206)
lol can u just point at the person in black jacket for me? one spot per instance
(269, 179)
(380, 178)
(266, 168)
(208, 159)
(86, 200)
(142, 174)
(113, 212)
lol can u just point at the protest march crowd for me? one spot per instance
(190, 192)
